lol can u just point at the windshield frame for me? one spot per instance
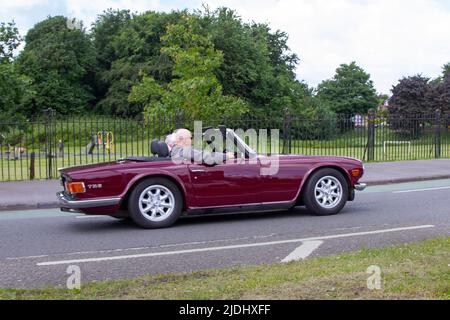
(240, 143)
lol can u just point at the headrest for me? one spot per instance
(160, 148)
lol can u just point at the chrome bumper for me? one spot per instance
(360, 186)
(64, 202)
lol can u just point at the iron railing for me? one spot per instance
(36, 149)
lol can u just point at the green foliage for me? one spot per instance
(14, 93)
(317, 121)
(446, 70)
(132, 45)
(349, 92)
(60, 61)
(9, 41)
(194, 88)
(258, 66)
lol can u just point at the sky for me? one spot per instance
(390, 39)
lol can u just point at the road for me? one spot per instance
(37, 246)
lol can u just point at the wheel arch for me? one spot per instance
(133, 184)
(299, 198)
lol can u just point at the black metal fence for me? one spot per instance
(36, 149)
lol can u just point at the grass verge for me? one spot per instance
(413, 271)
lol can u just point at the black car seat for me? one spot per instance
(160, 148)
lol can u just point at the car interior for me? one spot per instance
(160, 150)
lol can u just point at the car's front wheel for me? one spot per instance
(326, 192)
(155, 203)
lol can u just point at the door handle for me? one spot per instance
(198, 170)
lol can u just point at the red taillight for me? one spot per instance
(75, 187)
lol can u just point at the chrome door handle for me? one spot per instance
(198, 170)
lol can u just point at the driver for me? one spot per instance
(183, 150)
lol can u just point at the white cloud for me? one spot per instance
(87, 10)
(20, 4)
(388, 38)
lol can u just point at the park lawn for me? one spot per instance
(413, 271)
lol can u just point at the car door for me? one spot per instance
(227, 184)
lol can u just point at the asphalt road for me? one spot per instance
(37, 247)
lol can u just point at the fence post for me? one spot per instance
(32, 165)
(371, 136)
(49, 115)
(437, 134)
(287, 132)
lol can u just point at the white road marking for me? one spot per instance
(144, 248)
(249, 245)
(303, 251)
(28, 257)
(418, 190)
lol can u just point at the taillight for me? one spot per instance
(75, 187)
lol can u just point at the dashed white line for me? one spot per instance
(303, 251)
(249, 245)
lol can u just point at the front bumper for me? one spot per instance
(67, 203)
(360, 186)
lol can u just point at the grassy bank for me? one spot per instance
(414, 271)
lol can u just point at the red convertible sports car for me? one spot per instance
(155, 191)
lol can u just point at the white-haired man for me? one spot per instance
(183, 150)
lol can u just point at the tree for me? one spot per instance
(349, 92)
(107, 26)
(194, 87)
(258, 65)
(446, 70)
(133, 47)
(14, 94)
(442, 95)
(410, 96)
(60, 61)
(14, 89)
(411, 100)
(9, 41)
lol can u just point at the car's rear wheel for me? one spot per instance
(326, 192)
(155, 203)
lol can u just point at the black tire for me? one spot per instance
(142, 219)
(309, 192)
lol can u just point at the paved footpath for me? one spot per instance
(41, 193)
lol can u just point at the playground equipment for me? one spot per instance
(106, 139)
(103, 139)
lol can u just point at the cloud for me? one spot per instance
(388, 38)
(87, 10)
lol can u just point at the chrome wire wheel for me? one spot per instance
(156, 203)
(328, 192)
